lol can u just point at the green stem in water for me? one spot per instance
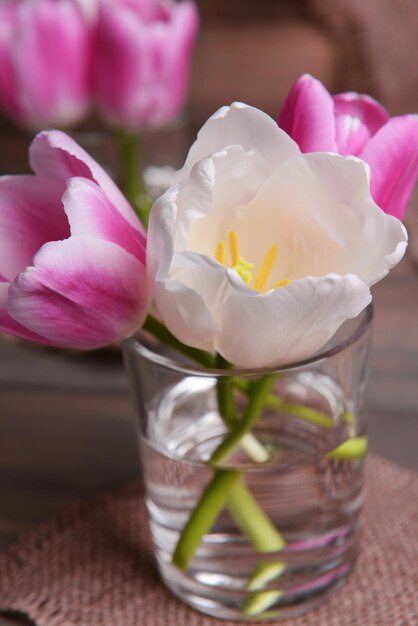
(298, 410)
(351, 450)
(201, 520)
(245, 506)
(251, 518)
(227, 410)
(132, 180)
(256, 403)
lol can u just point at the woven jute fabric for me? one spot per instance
(93, 565)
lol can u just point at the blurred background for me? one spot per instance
(66, 422)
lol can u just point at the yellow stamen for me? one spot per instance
(281, 283)
(265, 269)
(220, 254)
(233, 245)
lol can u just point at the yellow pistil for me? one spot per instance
(244, 268)
(281, 283)
(265, 269)
(233, 246)
(220, 253)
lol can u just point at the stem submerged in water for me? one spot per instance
(245, 509)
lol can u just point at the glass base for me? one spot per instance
(313, 501)
(229, 600)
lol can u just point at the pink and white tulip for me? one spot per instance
(45, 57)
(72, 251)
(354, 124)
(142, 60)
(313, 215)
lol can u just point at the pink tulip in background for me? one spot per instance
(44, 62)
(72, 251)
(142, 60)
(353, 124)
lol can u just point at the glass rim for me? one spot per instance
(135, 345)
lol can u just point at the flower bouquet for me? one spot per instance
(252, 289)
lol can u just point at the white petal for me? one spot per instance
(181, 308)
(287, 324)
(241, 125)
(319, 211)
(212, 197)
(374, 241)
(185, 314)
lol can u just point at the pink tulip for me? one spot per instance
(45, 56)
(72, 251)
(353, 124)
(142, 61)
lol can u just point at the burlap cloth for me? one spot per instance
(93, 565)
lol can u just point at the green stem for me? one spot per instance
(244, 505)
(298, 410)
(225, 394)
(351, 450)
(201, 520)
(251, 518)
(227, 410)
(256, 403)
(159, 331)
(132, 180)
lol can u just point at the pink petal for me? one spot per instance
(54, 154)
(9, 325)
(90, 212)
(351, 134)
(364, 108)
(393, 158)
(8, 90)
(31, 213)
(142, 62)
(52, 51)
(82, 293)
(307, 115)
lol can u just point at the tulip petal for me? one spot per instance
(351, 134)
(182, 309)
(142, 62)
(393, 158)
(81, 293)
(327, 224)
(8, 88)
(287, 324)
(9, 325)
(240, 125)
(91, 213)
(214, 194)
(50, 51)
(307, 115)
(54, 154)
(31, 213)
(361, 107)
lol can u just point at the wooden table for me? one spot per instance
(67, 427)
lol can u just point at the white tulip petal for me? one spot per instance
(287, 324)
(307, 218)
(185, 314)
(377, 241)
(213, 196)
(240, 125)
(160, 229)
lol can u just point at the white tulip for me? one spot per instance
(260, 252)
